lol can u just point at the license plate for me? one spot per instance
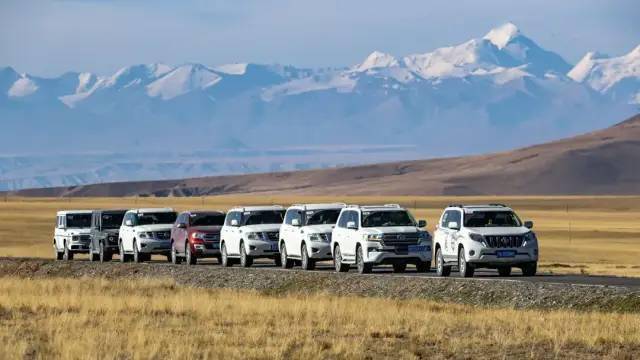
(417, 248)
(505, 253)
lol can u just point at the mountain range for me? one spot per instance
(155, 121)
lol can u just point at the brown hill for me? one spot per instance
(601, 162)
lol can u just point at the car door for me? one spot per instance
(286, 230)
(338, 231)
(293, 237)
(442, 232)
(182, 233)
(232, 233)
(449, 249)
(58, 233)
(353, 234)
(128, 232)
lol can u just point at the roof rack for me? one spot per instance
(456, 205)
(501, 205)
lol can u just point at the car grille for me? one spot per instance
(271, 235)
(212, 237)
(162, 235)
(211, 245)
(400, 239)
(85, 238)
(504, 241)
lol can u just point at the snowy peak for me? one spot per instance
(232, 69)
(503, 35)
(182, 80)
(375, 60)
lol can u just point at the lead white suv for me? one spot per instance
(383, 234)
(72, 233)
(484, 236)
(145, 232)
(305, 234)
(251, 232)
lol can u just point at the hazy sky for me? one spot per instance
(47, 37)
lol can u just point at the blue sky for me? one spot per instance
(48, 37)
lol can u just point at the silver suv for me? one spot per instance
(484, 236)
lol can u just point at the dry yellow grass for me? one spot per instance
(140, 319)
(595, 235)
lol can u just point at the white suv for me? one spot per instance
(145, 232)
(251, 232)
(384, 234)
(484, 236)
(72, 233)
(305, 234)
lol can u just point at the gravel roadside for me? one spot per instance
(495, 292)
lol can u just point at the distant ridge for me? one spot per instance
(603, 162)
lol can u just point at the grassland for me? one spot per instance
(593, 235)
(140, 319)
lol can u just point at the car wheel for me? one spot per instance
(363, 267)
(504, 270)
(441, 268)
(225, 257)
(189, 257)
(530, 269)
(137, 258)
(466, 269)
(399, 267)
(306, 262)
(337, 260)
(92, 253)
(59, 254)
(175, 259)
(245, 260)
(423, 266)
(285, 263)
(67, 255)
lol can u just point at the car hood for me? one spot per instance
(494, 231)
(206, 229)
(391, 229)
(86, 231)
(155, 227)
(318, 229)
(261, 228)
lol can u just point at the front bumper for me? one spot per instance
(207, 249)
(490, 256)
(155, 246)
(319, 250)
(378, 254)
(79, 246)
(261, 248)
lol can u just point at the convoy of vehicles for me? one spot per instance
(467, 237)
(196, 234)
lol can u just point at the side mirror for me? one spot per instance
(128, 223)
(182, 226)
(295, 222)
(234, 222)
(528, 224)
(422, 223)
(453, 225)
(352, 225)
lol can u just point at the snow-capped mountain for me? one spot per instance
(619, 77)
(497, 91)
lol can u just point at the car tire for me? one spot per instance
(137, 257)
(92, 255)
(306, 262)
(59, 254)
(189, 257)
(504, 271)
(226, 262)
(219, 259)
(245, 260)
(441, 268)
(123, 256)
(466, 270)
(175, 259)
(103, 255)
(67, 254)
(530, 269)
(285, 262)
(399, 267)
(337, 260)
(363, 267)
(423, 266)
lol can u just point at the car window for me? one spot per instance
(262, 217)
(322, 217)
(205, 219)
(451, 216)
(234, 215)
(78, 220)
(342, 220)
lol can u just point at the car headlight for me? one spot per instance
(198, 235)
(254, 236)
(146, 235)
(75, 237)
(530, 238)
(373, 237)
(477, 237)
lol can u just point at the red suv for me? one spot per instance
(196, 235)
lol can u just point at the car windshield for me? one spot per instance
(387, 218)
(156, 218)
(207, 219)
(491, 219)
(78, 220)
(263, 217)
(112, 220)
(322, 217)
